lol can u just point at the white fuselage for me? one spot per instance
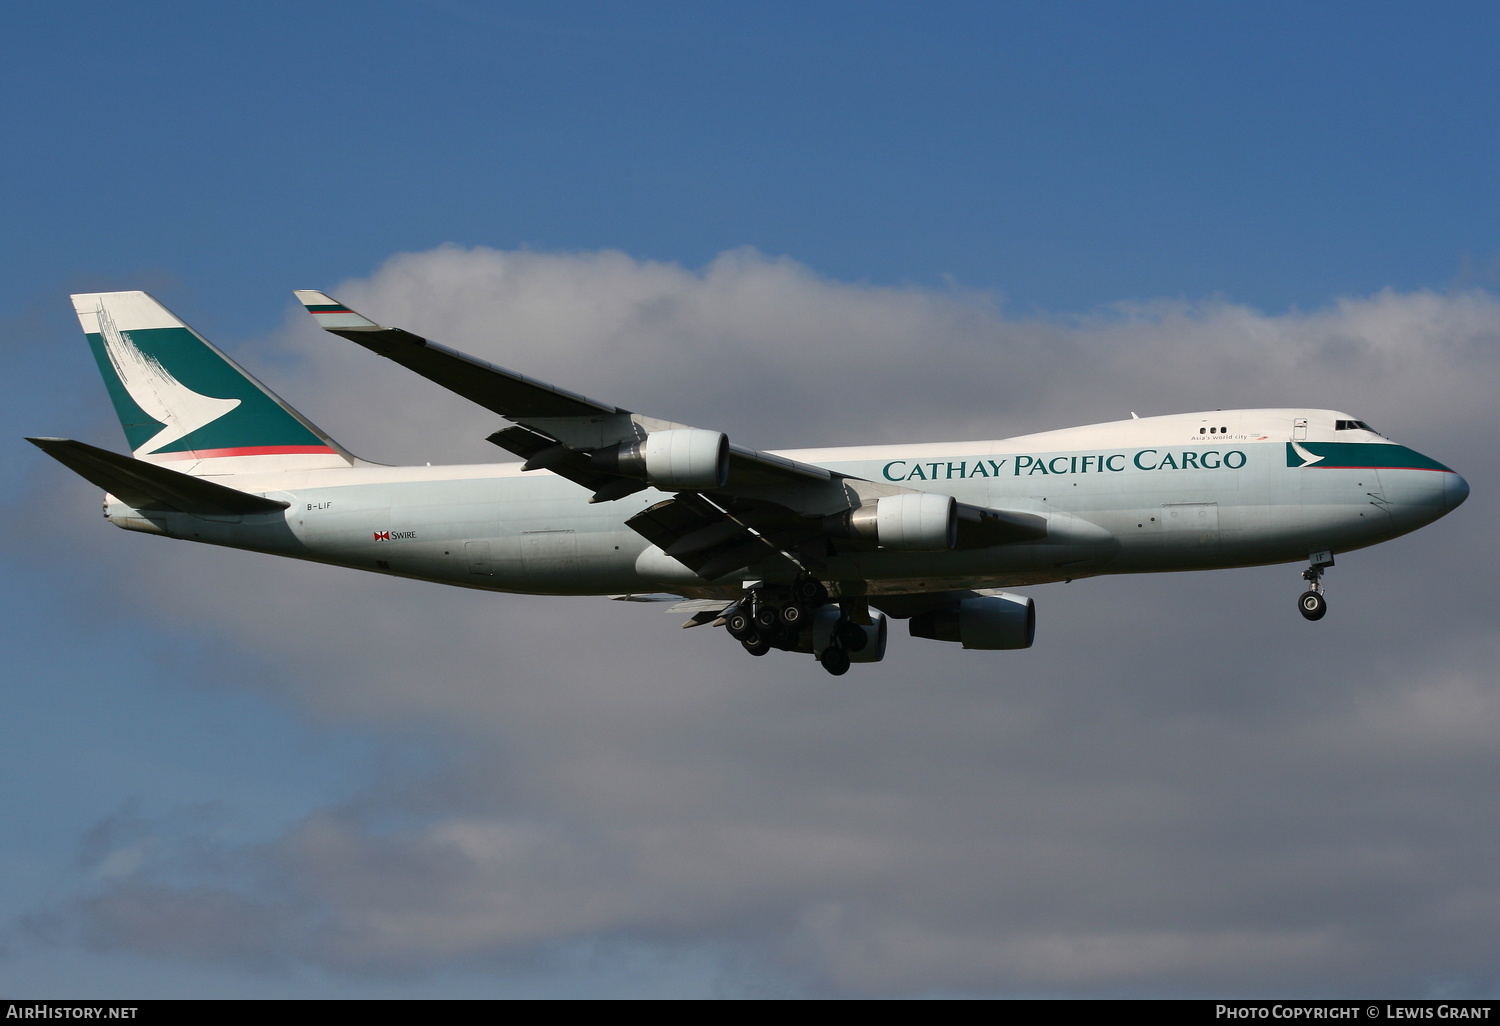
(1154, 494)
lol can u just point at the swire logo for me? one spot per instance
(382, 535)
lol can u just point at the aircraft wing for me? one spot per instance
(733, 505)
(551, 414)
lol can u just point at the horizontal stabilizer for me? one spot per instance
(149, 486)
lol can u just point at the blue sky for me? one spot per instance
(1069, 155)
(1041, 191)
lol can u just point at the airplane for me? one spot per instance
(812, 551)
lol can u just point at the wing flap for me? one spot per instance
(701, 536)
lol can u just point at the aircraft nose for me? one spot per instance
(1455, 491)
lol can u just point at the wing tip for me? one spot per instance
(329, 312)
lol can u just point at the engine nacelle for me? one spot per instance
(982, 621)
(682, 459)
(913, 522)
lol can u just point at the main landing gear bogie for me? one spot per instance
(847, 638)
(760, 622)
(835, 660)
(783, 618)
(850, 637)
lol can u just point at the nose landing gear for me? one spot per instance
(1311, 603)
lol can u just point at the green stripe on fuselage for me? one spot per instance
(1359, 455)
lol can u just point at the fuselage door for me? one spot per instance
(477, 556)
(549, 554)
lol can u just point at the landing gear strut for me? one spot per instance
(1311, 603)
(846, 637)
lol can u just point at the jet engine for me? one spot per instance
(913, 521)
(982, 621)
(682, 459)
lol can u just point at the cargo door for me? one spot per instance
(1190, 526)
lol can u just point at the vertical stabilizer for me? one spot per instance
(186, 405)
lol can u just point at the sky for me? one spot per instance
(803, 224)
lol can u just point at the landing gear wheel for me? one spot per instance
(739, 626)
(835, 660)
(791, 614)
(756, 645)
(1312, 605)
(767, 617)
(851, 636)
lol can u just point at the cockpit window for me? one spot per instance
(1350, 425)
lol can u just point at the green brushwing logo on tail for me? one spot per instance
(176, 394)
